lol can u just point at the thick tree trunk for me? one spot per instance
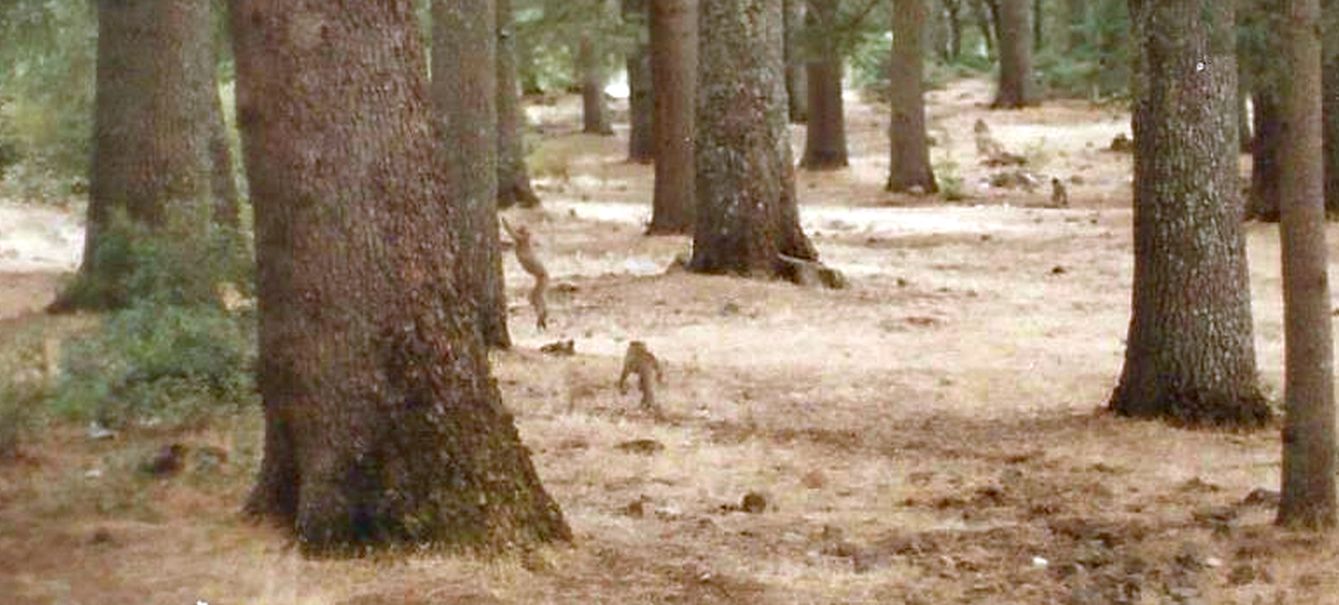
(513, 178)
(464, 95)
(797, 88)
(1308, 496)
(641, 87)
(383, 426)
(152, 125)
(747, 217)
(825, 138)
(590, 72)
(673, 65)
(1015, 86)
(1266, 147)
(1189, 357)
(909, 165)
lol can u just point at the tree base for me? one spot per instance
(1196, 410)
(824, 162)
(809, 273)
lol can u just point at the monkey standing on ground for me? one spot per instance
(641, 362)
(1059, 195)
(525, 254)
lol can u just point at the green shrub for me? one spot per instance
(23, 389)
(951, 185)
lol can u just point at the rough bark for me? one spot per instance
(1330, 82)
(673, 65)
(797, 83)
(464, 98)
(909, 165)
(1189, 356)
(1308, 496)
(747, 216)
(383, 427)
(590, 72)
(1015, 84)
(152, 126)
(1266, 147)
(641, 85)
(513, 177)
(825, 138)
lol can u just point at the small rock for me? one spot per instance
(1058, 270)
(753, 502)
(1040, 562)
(641, 446)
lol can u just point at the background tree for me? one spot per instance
(382, 425)
(1015, 85)
(1330, 81)
(1260, 40)
(825, 138)
(464, 97)
(641, 85)
(1190, 356)
(909, 164)
(513, 178)
(591, 74)
(797, 89)
(674, 66)
(1308, 496)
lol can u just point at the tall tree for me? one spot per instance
(825, 138)
(747, 219)
(1076, 20)
(673, 65)
(152, 125)
(909, 165)
(1189, 355)
(590, 72)
(1330, 82)
(1260, 45)
(1308, 497)
(1015, 85)
(953, 18)
(464, 99)
(982, 12)
(641, 85)
(513, 178)
(797, 89)
(382, 424)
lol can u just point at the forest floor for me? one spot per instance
(933, 434)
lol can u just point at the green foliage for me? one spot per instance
(951, 186)
(1100, 66)
(23, 388)
(548, 31)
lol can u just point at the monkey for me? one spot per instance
(640, 361)
(1059, 195)
(525, 254)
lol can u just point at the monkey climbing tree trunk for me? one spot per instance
(909, 164)
(513, 178)
(464, 98)
(1189, 355)
(747, 217)
(382, 424)
(153, 122)
(673, 65)
(1015, 86)
(590, 71)
(1308, 498)
(797, 87)
(641, 85)
(825, 138)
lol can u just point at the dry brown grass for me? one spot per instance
(926, 436)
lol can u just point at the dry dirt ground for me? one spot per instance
(932, 434)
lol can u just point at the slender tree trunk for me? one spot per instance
(382, 423)
(985, 22)
(909, 164)
(1015, 87)
(590, 71)
(797, 88)
(1308, 497)
(953, 14)
(1037, 21)
(641, 102)
(673, 64)
(223, 180)
(1076, 16)
(154, 117)
(1189, 357)
(825, 138)
(1330, 20)
(1245, 138)
(1266, 147)
(513, 178)
(464, 99)
(747, 217)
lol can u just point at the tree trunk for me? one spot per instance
(1266, 147)
(985, 23)
(513, 178)
(152, 125)
(1190, 357)
(825, 138)
(641, 88)
(223, 177)
(1330, 81)
(797, 88)
(1015, 87)
(590, 72)
(383, 426)
(1308, 498)
(747, 217)
(953, 14)
(1037, 21)
(1245, 140)
(909, 164)
(464, 98)
(1076, 15)
(673, 65)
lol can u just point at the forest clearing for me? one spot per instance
(934, 433)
